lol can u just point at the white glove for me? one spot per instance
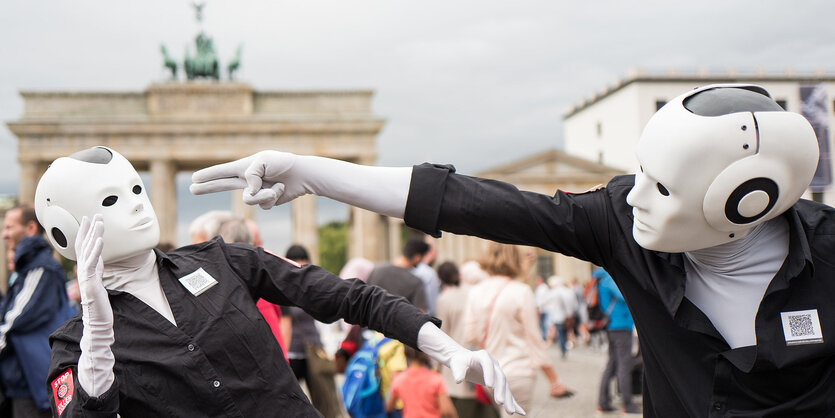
(474, 366)
(271, 178)
(95, 365)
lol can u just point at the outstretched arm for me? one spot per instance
(271, 178)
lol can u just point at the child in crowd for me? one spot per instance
(422, 391)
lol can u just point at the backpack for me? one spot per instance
(597, 317)
(361, 390)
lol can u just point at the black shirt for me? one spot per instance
(221, 359)
(689, 368)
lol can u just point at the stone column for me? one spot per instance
(164, 198)
(240, 208)
(305, 230)
(30, 174)
(395, 244)
(366, 235)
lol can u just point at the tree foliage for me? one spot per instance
(333, 246)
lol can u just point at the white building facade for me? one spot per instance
(606, 127)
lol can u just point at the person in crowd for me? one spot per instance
(178, 334)
(619, 332)
(422, 391)
(501, 317)
(305, 341)
(450, 310)
(581, 329)
(561, 306)
(471, 273)
(207, 225)
(540, 295)
(355, 268)
(721, 262)
(424, 271)
(34, 306)
(397, 279)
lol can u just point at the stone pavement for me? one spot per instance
(580, 371)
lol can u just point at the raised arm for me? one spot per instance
(92, 357)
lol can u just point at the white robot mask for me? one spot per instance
(96, 180)
(715, 162)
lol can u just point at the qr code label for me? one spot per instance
(198, 282)
(802, 327)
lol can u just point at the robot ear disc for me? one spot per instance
(749, 188)
(59, 237)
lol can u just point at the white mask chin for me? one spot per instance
(715, 165)
(96, 180)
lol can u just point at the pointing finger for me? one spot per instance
(219, 185)
(231, 169)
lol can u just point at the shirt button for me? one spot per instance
(191, 347)
(216, 383)
(717, 406)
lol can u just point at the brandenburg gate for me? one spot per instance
(176, 126)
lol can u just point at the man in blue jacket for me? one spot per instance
(619, 332)
(34, 306)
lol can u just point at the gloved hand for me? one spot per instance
(473, 366)
(271, 178)
(95, 365)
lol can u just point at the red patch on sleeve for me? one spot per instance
(62, 390)
(283, 258)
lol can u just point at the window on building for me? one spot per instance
(599, 129)
(545, 265)
(600, 157)
(782, 103)
(659, 104)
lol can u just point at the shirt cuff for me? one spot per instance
(107, 402)
(426, 193)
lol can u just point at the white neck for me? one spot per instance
(727, 282)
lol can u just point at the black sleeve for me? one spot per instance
(66, 396)
(324, 295)
(577, 225)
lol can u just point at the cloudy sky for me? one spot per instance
(474, 83)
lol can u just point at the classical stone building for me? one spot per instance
(605, 127)
(172, 127)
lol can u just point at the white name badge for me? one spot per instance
(802, 327)
(198, 282)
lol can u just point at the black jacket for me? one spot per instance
(221, 359)
(689, 368)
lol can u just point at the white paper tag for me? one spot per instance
(802, 327)
(198, 282)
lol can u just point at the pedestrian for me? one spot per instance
(450, 310)
(424, 271)
(34, 306)
(619, 332)
(397, 278)
(540, 295)
(421, 390)
(501, 317)
(178, 333)
(561, 305)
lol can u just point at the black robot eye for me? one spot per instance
(661, 189)
(109, 200)
(137, 189)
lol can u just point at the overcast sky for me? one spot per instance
(474, 83)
